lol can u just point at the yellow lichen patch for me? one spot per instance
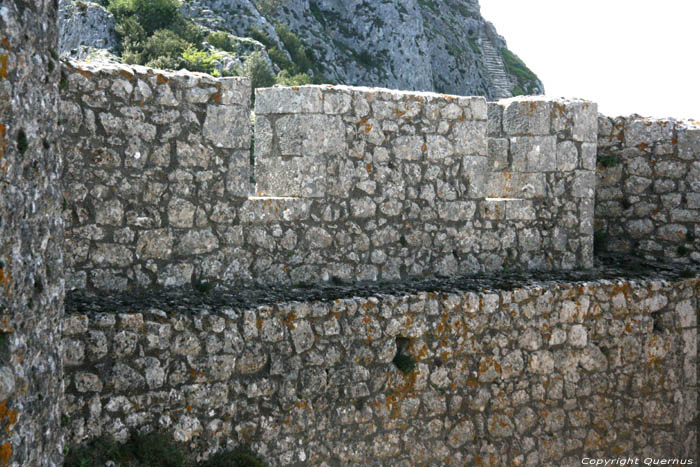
(3, 66)
(5, 454)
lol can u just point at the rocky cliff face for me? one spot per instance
(85, 29)
(423, 45)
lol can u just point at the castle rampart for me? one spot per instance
(537, 373)
(352, 183)
(347, 184)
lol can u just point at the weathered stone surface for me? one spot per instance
(31, 237)
(304, 362)
(197, 125)
(84, 24)
(644, 161)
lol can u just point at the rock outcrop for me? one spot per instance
(84, 27)
(438, 45)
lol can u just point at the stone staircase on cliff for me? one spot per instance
(493, 61)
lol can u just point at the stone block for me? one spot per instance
(310, 135)
(641, 132)
(495, 119)
(584, 184)
(520, 209)
(585, 119)
(295, 177)
(533, 153)
(498, 153)
(292, 100)
(526, 116)
(567, 156)
(689, 143)
(470, 138)
(227, 126)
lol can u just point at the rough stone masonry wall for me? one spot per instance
(352, 183)
(31, 237)
(541, 374)
(405, 184)
(648, 193)
(156, 164)
(544, 152)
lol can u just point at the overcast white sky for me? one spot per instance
(629, 56)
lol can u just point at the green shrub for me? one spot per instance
(187, 29)
(131, 34)
(608, 160)
(164, 63)
(239, 457)
(295, 48)
(164, 43)
(258, 70)
(285, 78)
(222, 40)
(405, 363)
(199, 60)
(152, 449)
(152, 15)
(262, 37)
(280, 59)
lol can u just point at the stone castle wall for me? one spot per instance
(31, 237)
(156, 164)
(352, 183)
(648, 191)
(543, 373)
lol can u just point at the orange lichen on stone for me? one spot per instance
(5, 43)
(289, 321)
(5, 454)
(10, 414)
(4, 279)
(3, 66)
(216, 98)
